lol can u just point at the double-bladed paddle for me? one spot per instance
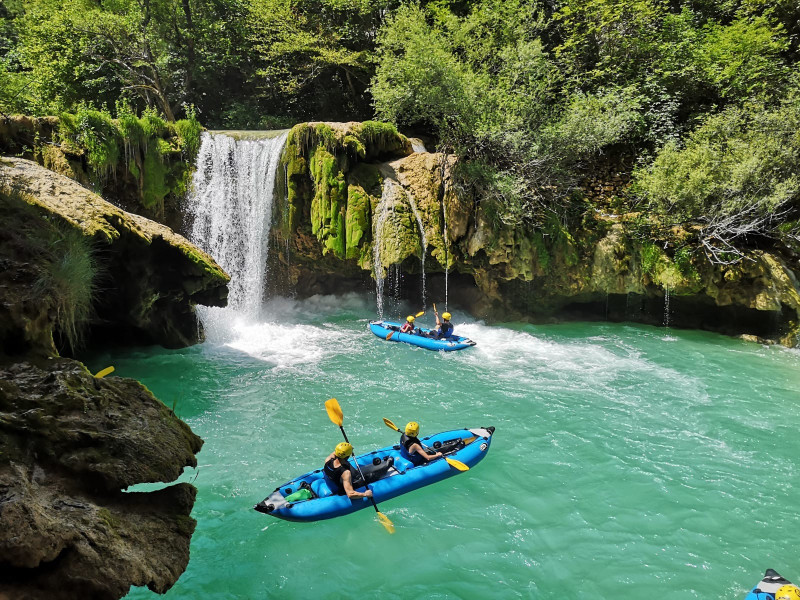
(450, 461)
(335, 414)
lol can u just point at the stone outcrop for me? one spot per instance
(72, 267)
(353, 213)
(156, 275)
(69, 445)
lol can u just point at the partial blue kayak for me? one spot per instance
(388, 472)
(389, 330)
(766, 588)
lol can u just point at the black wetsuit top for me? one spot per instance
(334, 474)
(406, 441)
(446, 329)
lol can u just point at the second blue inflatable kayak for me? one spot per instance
(388, 474)
(389, 330)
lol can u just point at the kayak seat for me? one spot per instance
(402, 465)
(321, 489)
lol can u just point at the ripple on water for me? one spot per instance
(622, 466)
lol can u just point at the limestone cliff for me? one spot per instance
(354, 209)
(150, 278)
(69, 445)
(74, 268)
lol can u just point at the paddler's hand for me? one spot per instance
(368, 494)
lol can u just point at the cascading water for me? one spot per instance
(230, 205)
(385, 213)
(423, 242)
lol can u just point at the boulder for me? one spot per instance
(69, 445)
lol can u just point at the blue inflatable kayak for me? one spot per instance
(388, 474)
(768, 586)
(383, 329)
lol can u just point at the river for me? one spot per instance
(629, 461)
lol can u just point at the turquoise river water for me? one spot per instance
(628, 462)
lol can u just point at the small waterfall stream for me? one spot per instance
(230, 205)
(384, 210)
(423, 244)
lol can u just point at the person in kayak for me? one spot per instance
(408, 326)
(409, 442)
(338, 472)
(444, 328)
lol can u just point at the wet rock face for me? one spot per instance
(69, 445)
(151, 277)
(603, 269)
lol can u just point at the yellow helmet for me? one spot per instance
(343, 450)
(446, 316)
(412, 429)
(788, 592)
(410, 319)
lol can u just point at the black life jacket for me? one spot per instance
(333, 475)
(446, 329)
(406, 441)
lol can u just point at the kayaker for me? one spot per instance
(413, 447)
(408, 326)
(338, 472)
(444, 328)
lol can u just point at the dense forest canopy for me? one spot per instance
(700, 98)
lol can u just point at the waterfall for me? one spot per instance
(385, 208)
(423, 242)
(446, 257)
(230, 205)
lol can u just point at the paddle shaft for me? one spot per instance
(364, 479)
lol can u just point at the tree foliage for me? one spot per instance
(530, 94)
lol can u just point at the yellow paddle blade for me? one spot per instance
(104, 372)
(420, 313)
(334, 411)
(386, 522)
(389, 335)
(457, 464)
(390, 425)
(434, 307)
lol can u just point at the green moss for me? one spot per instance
(355, 146)
(185, 524)
(96, 132)
(541, 252)
(683, 260)
(328, 207)
(381, 138)
(188, 132)
(650, 255)
(154, 180)
(357, 222)
(108, 519)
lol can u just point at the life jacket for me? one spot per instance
(333, 475)
(407, 328)
(445, 329)
(406, 441)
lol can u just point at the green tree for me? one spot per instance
(315, 52)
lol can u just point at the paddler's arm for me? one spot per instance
(348, 488)
(416, 448)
